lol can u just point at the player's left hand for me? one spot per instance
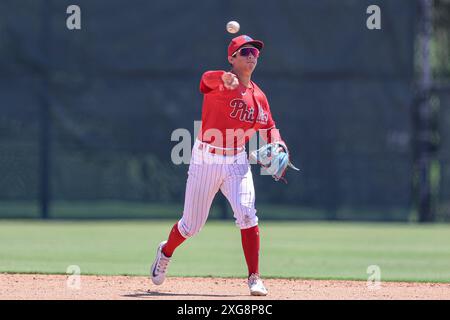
(275, 158)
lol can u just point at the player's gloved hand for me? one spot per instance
(274, 157)
(230, 81)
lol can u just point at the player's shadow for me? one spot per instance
(170, 294)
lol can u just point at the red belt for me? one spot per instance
(220, 151)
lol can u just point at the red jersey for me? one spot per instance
(231, 117)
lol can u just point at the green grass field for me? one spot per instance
(308, 250)
(108, 209)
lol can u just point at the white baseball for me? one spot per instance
(233, 26)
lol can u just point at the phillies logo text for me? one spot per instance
(241, 110)
(245, 113)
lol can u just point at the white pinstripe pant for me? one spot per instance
(208, 173)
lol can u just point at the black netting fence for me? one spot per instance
(442, 167)
(116, 90)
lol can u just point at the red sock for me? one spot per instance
(250, 244)
(175, 239)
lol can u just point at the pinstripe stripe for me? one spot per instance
(196, 212)
(236, 187)
(207, 177)
(239, 190)
(189, 191)
(186, 209)
(203, 184)
(207, 194)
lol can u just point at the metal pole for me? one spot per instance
(426, 213)
(45, 121)
(44, 157)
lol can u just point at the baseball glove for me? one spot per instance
(274, 157)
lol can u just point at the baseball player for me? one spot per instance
(234, 108)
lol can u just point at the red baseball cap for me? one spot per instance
(238, 42)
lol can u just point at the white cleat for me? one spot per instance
(159, 266)
(256, 285)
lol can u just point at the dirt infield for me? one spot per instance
(56, 287)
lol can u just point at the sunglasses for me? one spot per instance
(245, 52)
